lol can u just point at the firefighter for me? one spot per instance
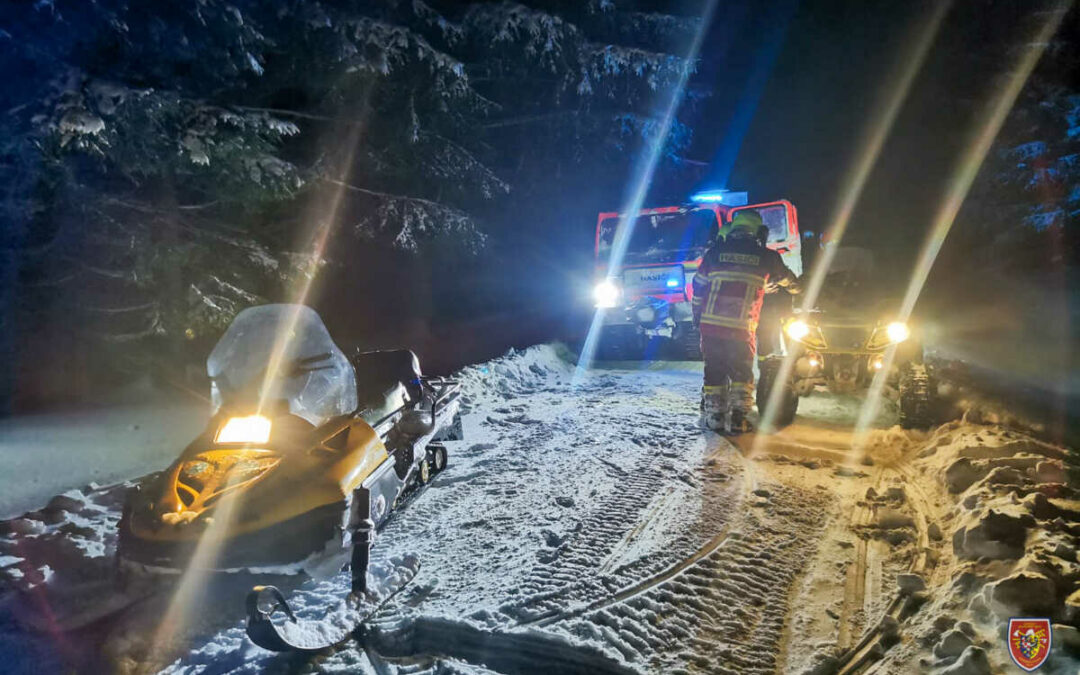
(729, 286)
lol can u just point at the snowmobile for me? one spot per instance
(844, 343)
(307, 453)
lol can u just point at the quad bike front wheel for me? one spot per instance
(788, 404)
(689, 341)
(917, 389)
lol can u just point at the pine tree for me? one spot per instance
(1024, 210)
(164, 158)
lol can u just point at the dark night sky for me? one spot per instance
(818, 68)
(836, 61)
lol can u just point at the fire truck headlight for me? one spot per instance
(606, 294)
(897, 331)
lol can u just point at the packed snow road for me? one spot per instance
(584, 525)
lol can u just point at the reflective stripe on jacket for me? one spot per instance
(730, 285)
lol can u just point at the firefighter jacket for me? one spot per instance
(730, 285)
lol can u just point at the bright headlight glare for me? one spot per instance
(798, 329)
(897, 331)
(250, 429)
(606, 294)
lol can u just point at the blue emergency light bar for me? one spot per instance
(725, 197)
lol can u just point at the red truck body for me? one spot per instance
(645, 292)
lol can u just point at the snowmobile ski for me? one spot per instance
(272, 623)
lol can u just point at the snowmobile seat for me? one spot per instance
(385, 381)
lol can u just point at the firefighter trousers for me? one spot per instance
(729, 376)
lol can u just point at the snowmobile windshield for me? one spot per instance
(282, 352)
(662, 237)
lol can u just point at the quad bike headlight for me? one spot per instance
(897, 331)
(606, 294)
(798, 329)
(805, 332)
(250, 429)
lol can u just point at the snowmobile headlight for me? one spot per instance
(606, 294)
(250, 429)
(897, 331)
(798, 329)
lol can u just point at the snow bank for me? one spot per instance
(1010, 539)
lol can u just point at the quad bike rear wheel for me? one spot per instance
(788, 404)
(917, 390)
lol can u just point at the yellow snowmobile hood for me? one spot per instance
(300, 470)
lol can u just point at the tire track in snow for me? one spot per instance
(668, 574)
(724, 612)
(630, 445)
(874, 641)
(855, 582)
(572, 573)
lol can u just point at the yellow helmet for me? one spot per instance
(748, 220)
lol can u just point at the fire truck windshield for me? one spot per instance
(663, 237)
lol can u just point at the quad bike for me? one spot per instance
(843, 345)
(307, 454)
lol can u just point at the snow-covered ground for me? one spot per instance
(590, 526)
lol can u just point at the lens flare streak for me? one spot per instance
(966, 171)
(644, 175)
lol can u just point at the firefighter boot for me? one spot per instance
(714, 408)
(742, 403)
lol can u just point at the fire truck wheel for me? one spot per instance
(619, 343)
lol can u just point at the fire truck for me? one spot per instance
(645, 268)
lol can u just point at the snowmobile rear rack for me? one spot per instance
(444, 391)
